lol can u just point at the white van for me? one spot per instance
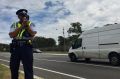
(100, 43)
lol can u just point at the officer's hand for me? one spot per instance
(24, 21)
(25, 24)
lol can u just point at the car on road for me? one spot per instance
(37, 50)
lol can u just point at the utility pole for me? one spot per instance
(64, 39)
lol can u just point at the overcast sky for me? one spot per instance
(50, 16)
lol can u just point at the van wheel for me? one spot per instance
(87, 59)
(114, 59)
(72, 57)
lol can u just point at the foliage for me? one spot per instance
(42, 42)
(75, 31)
(63, 43)
(75, 28)
(4, 47)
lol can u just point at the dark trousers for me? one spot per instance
(23, 53)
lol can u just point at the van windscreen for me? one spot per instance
(77, 43)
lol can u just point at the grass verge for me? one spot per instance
(5, 73)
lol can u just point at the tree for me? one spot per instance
(50, 42)
(60, 41)
(42, 42)
(63, 43)
(75, 31)
(75, 28)
(4, 47)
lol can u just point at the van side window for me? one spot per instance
(77, 43)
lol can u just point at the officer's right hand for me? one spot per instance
(25, 22)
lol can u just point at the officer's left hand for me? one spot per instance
(25, 22)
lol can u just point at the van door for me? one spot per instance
(90, 45)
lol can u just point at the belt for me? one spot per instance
(21, 42)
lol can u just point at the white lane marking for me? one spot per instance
(51, 54)
(4, 60)
(73, 76)
(57, 54)
(79, 63)
(35, 77)
(53, 60)
(75, 63)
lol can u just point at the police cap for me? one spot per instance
(22, 12)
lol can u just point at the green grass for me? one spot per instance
(5, 73)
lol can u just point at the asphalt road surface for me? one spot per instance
(58, 66)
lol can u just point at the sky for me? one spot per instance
(51, 16)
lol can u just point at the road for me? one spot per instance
(58, 66)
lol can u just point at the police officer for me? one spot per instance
(22, 33)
